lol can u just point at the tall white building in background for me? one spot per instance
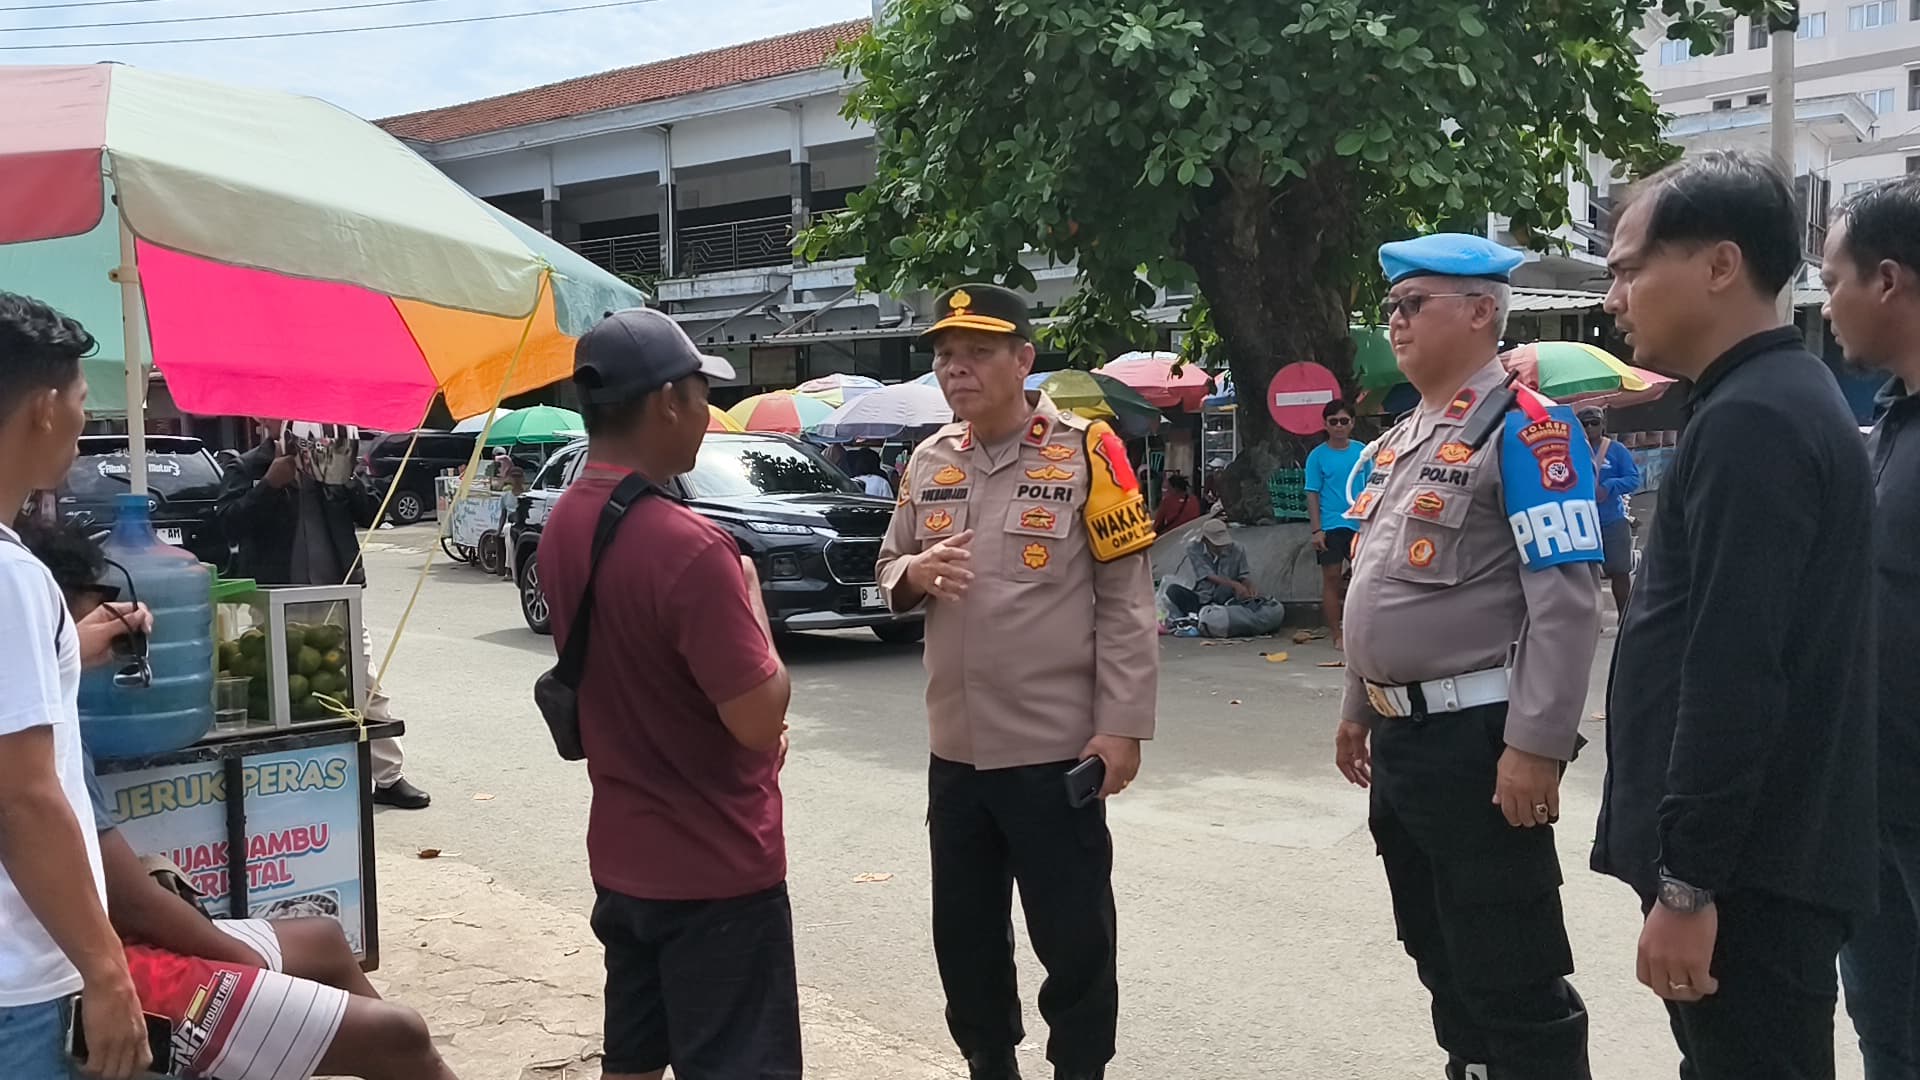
(1856, 90)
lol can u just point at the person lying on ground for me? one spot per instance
(299, 1003)
(1220, 570)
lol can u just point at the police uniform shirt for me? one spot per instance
(1050, 645)
(1439, 586)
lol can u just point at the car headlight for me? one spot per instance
(780, 528)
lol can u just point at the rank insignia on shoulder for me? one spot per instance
(1036, 556)
(1050, 472)
(939, 521)
(1462, 404)
(1455, 453)
(1384, 458)
(949, 476)
(1421, 553)
(1038, 430)
(1038, 518)
(1056, 452)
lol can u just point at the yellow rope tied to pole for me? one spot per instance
(466, 478)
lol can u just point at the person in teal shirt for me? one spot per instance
(1328, 466)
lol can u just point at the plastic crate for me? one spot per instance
(1288, 490)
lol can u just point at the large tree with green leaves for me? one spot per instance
(1252, 151)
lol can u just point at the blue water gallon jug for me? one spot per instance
(118, 717)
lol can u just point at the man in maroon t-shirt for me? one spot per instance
(683, 715)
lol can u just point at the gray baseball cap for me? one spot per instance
(637, 351)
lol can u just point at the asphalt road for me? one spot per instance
(1256, 937)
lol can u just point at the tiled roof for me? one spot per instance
(735, 64)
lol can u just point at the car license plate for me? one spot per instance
(172, 536)
(870, 597)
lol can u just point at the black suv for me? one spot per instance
(813, 536)
(436, 452)
(183, 484)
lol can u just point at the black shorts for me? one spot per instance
(1339, 548)
(707, 986)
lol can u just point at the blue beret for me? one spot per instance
(1448, 255)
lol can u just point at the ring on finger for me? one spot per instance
(1542, 810)
(939, 581)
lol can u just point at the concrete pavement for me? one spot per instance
(1257, 940)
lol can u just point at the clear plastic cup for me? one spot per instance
(230, 703)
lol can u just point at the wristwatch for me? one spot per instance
(1677, 895)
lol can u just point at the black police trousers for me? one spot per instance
(988, 829)
(1476, 901)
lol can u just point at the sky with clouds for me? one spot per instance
(384, 72)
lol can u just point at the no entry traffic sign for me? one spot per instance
(1297, 394)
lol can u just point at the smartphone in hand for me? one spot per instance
(1085, 780)
(159, 1040)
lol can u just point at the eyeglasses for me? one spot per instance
(1410, 304)
(133, 646)
(1339, 421)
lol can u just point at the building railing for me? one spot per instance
(737, 245)
(636, 255)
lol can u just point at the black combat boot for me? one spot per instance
(1099, 1072)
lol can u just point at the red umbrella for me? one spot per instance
(1153, 376)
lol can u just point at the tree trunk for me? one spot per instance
(1270, 261)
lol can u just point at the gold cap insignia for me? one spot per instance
(960, 301)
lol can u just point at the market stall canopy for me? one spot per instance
(781, 412)
(1098, 397)
(838, 388)
(295, 260)
(1161, 379)
(536, 425)
(475, 424)
(1573, 370)
(886, 413)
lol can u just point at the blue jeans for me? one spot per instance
(33, 1042)
(1881, 965)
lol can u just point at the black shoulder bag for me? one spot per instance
(557, 692)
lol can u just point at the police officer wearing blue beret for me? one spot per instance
(1470, 627)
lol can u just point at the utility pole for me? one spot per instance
(1780, 96)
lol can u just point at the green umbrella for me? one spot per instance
(1099, 397)
(536, 424)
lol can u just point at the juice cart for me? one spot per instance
(271, 815)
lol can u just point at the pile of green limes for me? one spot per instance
(317, 661)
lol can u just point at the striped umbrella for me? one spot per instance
(718, 420)
(886, 413)
(838, 388)
(1566, 370)
(782, 412)
(293, 260)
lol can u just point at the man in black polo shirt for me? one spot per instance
(1740, 798)
(1872, 274)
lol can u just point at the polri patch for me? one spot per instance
(1056, 452)
(1550, 440)
(1053, 473)
(1429, 505)
(1036, 556)
(939, 521)
(1038, 517)
(949, 476)
(1455, 453)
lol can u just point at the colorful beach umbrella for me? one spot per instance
(1568, 370)
(718, 420)
(1161, 379)
(838, 388)
(886, 413)
(292, 259)
(782, 412)
(536, 425)
(1098, 397)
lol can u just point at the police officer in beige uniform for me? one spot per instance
(1022, 531)
(1471, 624)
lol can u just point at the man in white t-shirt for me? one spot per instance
(55, 940)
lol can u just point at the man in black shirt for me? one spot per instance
(1739, 797)
(1872, 274)
(292, 505)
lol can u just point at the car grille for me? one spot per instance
(851, 562)
(860, 521)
